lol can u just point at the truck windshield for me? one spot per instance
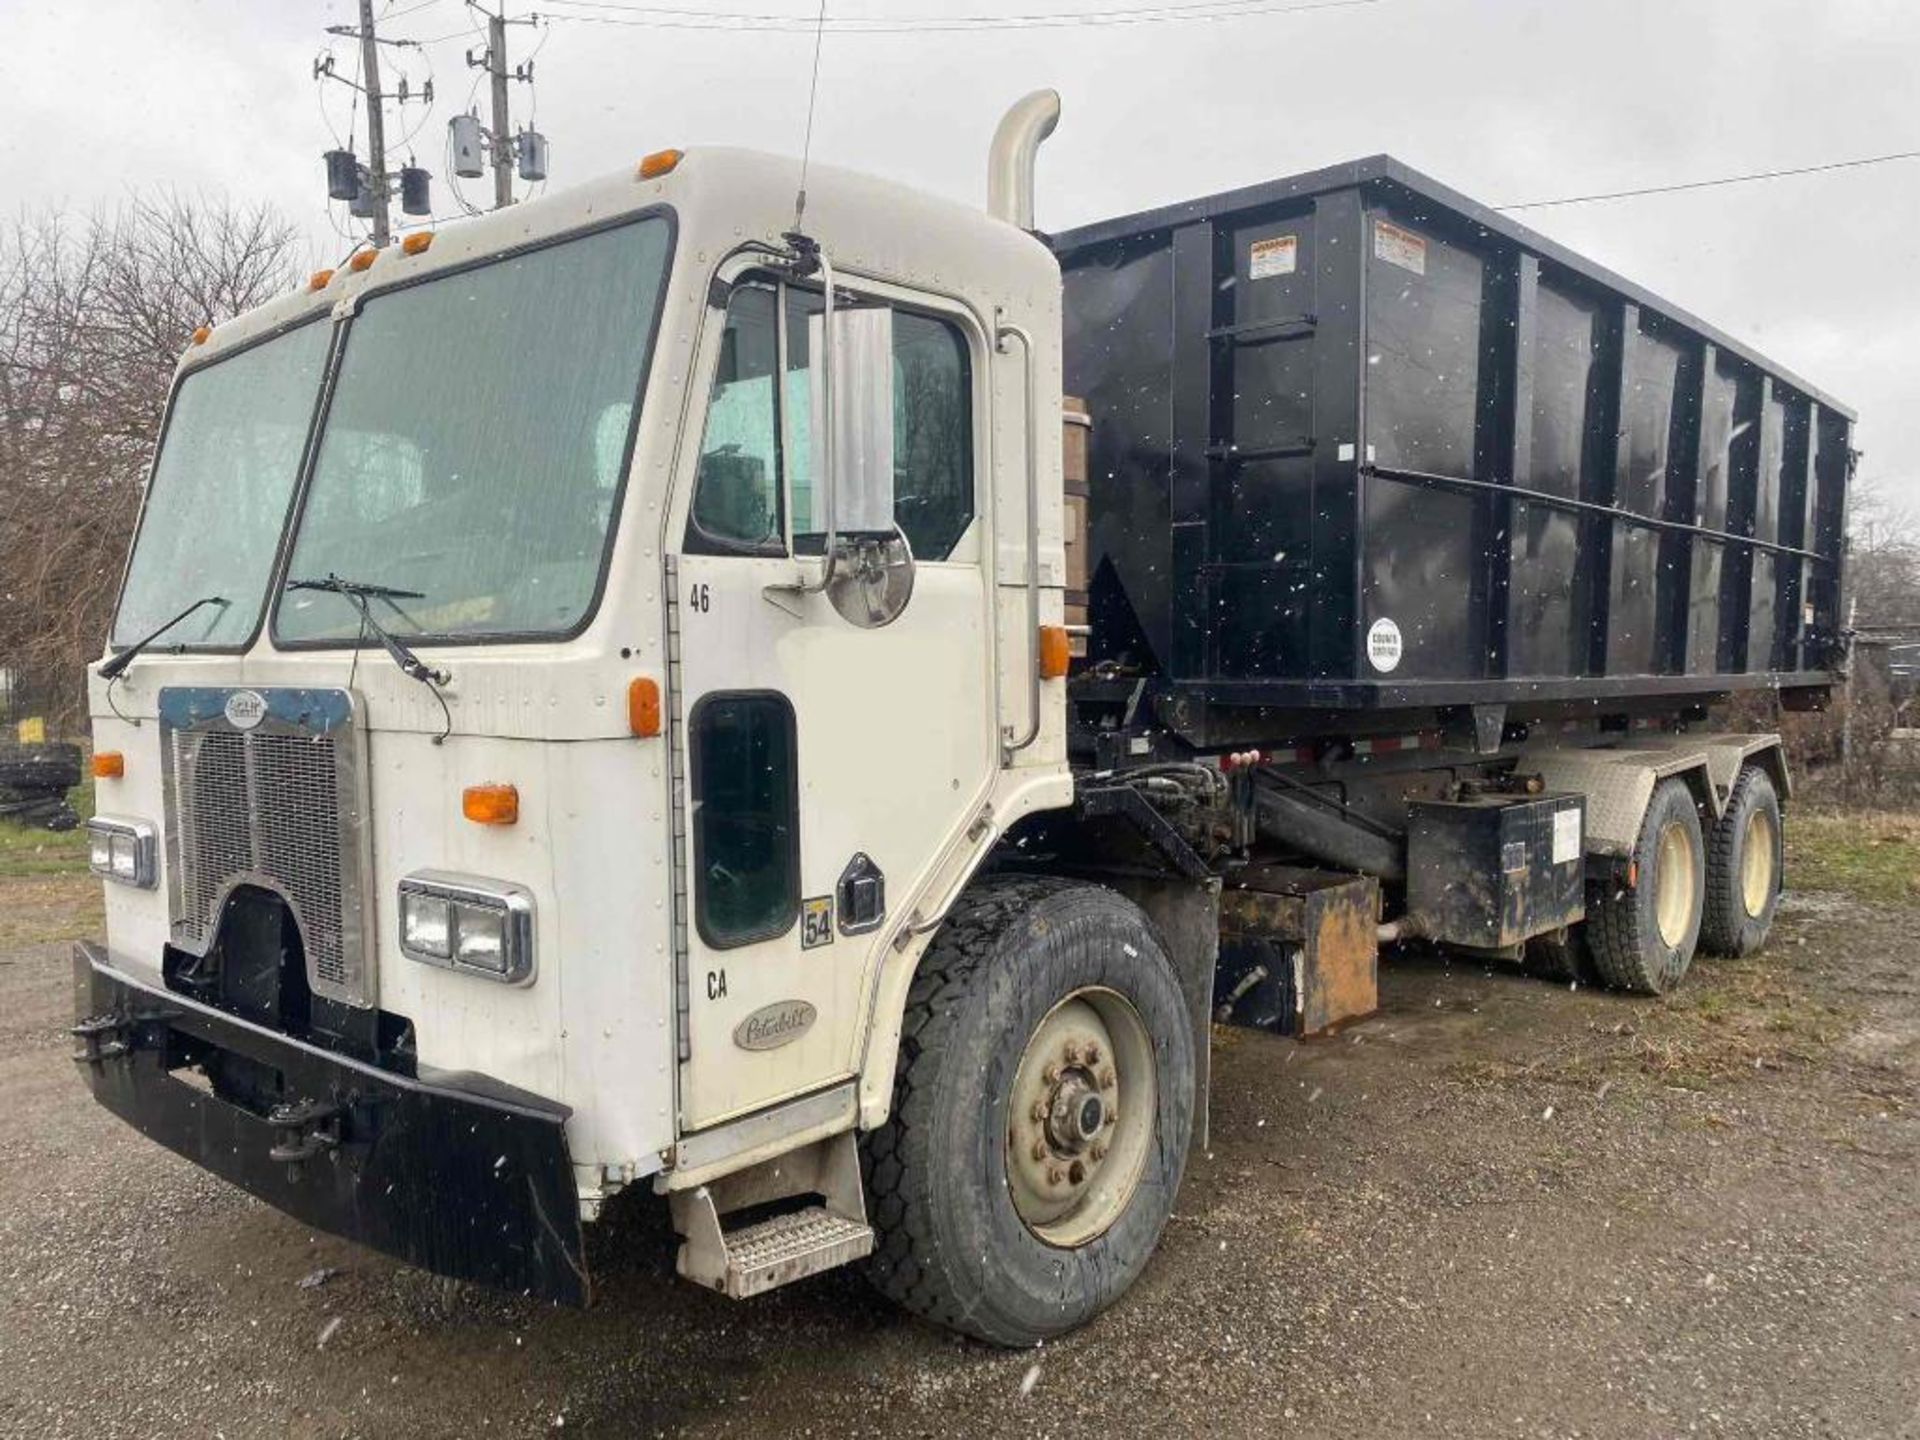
(474, 445)
(218, 499)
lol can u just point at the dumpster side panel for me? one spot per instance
(1360, 443)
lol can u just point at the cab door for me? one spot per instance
(822, 768)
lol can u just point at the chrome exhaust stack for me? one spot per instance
(1010, 161)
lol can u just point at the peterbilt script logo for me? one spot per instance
(245, 709)
(772, 1026)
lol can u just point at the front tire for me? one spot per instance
(1744, 858)
(1643, 937)
(1041, 1113)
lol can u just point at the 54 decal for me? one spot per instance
(816, 922)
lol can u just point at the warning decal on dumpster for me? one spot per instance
(1400, 247)
(1276, 255)
(1383, 646)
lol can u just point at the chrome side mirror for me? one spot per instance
(869, 567)
(854, 412)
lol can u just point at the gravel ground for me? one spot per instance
(1499, 1208)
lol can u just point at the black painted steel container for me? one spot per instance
(1361, 443)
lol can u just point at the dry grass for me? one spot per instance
(28, 850)
(1874, 855)
(44, 909)
(1730, 1019)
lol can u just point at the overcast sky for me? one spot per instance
(1507, 100)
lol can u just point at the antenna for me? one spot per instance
(813, 93)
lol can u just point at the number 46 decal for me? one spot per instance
(700, 597)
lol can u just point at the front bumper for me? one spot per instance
(456, 1174)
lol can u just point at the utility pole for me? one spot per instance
(502, 125)
(505, 148)
(369, 188)
(376, 126)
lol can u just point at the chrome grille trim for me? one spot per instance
(280, 804)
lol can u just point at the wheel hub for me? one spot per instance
(1073, 1155)
(1077, 1113)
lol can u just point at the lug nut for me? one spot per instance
(1099, 1153)
(1093, 1054)
(1072, 1052)
(1112, 1115)
(1054, 1176)
(1106, 1078)
(1039, 1150)
(1051, 1074)
(1039, 1111)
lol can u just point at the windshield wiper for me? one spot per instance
(114, 666)
(357, 593)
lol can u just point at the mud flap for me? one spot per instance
(456, 1174)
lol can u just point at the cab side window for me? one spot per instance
(746, 817)
(736, 497)
(759, 451)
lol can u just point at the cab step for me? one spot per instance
(760, 1255)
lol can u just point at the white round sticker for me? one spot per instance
(245, 709)
(1383, 645)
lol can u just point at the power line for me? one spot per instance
(668, 18)
(1720, 180)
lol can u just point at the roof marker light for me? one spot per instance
(318, 280)
(363, 260)
(660, 162)
(417, 242)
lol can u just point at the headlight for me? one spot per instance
(121, 850)
(426, 924)
(468, 923)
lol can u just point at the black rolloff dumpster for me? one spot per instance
(1362, 444)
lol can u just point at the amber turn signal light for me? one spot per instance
(200, 335)
(490, 804)
(660, 162)
(109, 765)
(643, 706)
(1054, 651)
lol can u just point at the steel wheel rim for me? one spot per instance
(1080, 1117)
(1674, 883)
(1756, 862)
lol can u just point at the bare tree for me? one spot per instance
(94, 313)
(1883, 560)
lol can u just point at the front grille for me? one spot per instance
(275, 805)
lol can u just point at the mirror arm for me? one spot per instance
(830, 488)
(1003, 332)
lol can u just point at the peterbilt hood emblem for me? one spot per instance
(772, 1026)
(245, 709)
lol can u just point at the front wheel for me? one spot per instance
(1041, 1113)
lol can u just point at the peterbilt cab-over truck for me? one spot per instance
(620, 695)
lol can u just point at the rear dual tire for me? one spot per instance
(1745, 862)
(1643, 935)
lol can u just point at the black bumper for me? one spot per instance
(457, 1174)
